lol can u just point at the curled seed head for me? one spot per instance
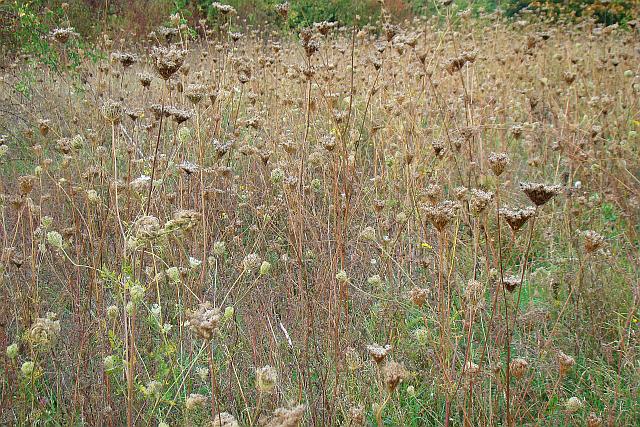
(418, 296)
(378, 353)
(518, 367)
(516, 218)
(266, 379)
(592, 241)
(394, 373)
(498, 162)
(538, 193)
(205, 320)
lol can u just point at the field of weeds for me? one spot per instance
(418, 224)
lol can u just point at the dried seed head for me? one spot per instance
(565, 362)
(44, 331)
(134, 113)
(251, 262)
(516, 218)
(498, 162)
(574, 404)
(539, 194)
(378, 353)
(328, 142)
(224, 9)
(266, 379)
(179, 116)
(112, 111)
(569, 77)
(390, 31)
(418, 296)
(593, 420)
(368, 233)
(473, 293)
(394, 373)
(460, 193)
(145, 79)
(44, 126)
(511, 282)
(205, 320)
(282, 9)
(518, 367)
(124, 58)
(324, 27)
(357, 415)
(146, 228)
(592, 241)
(167, 61)
(243, 69)
(63, 35)
(194, 401)
(182, 220)
(141, 183)
(441, 214)
(195, 93)
(479, 200)
(25, 184)
(456, 63)
(187, 167)
(224, 419)
(352, 359)
(438, 147)
(431, 193)
(286, 417)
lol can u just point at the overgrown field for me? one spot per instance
(432, 223)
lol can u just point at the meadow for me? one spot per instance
(431, 222)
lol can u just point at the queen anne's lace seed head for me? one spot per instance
(498, 162)
(112, 111)
(516, 218)
(266, 379)
(182, 220)
(574, 404)
(511, 282)
(286, 417)
(196, 92)
(205, 320)
(146, 228)
(394, 373)
(592, 241)
(378, 353)
(145, 79)
(518, 367)
(167, 61)
(479, 200)
(63, 35)
(44, 331)
(441, 214)
(565, 362)
(124, 58)
(224, 419)
(538, 193)
(194, 401)
(418, 296)
(593, 420)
